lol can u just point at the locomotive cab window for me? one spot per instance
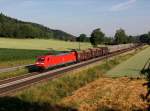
(48, 59)
(41, 59)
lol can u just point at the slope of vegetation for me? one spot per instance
(13, 28)
(50, 93)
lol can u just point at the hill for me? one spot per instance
(13, 28)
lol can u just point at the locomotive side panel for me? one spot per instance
(63, 59)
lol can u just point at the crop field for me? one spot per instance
(108, 94)
(41, 44)
(24, 51)
(12, 57)
(132, 66)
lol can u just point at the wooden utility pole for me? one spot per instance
(79, 46)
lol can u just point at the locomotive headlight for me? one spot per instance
(39, 63)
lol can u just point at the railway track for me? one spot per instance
(10, 85)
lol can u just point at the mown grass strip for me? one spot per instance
(132, 66)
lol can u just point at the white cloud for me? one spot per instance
(123, 5)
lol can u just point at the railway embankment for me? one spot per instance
(50, 93)
(13, 72)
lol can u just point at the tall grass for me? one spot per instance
(108, 94)
(17, 72)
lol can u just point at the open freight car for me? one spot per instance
(91, 53)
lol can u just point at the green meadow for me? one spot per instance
(41, 44)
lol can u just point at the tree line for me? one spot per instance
(13, 28)
(98, 37)
(145, 38)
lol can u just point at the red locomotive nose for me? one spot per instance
(40, 61)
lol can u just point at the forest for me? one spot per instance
(13, 28)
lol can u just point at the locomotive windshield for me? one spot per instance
(41, 59)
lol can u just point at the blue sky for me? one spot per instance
(82, 16)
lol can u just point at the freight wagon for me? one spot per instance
(114, 48)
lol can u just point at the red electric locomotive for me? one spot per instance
(47, 61)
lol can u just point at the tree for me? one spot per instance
(148, 37)
(130, 39)
(82, 38)
(144, 38)
(108, 40)
(120, 37)
(149, 34)
(97, 37)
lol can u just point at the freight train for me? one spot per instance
(48, 60)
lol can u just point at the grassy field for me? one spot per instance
(16, 57)
(24, 51)
(40, 44)
(132, 66)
